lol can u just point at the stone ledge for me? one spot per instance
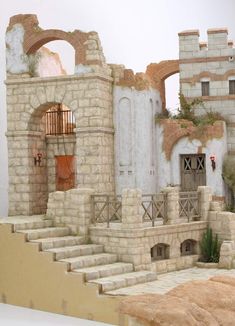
(150, 231)
(94, 130)
(35, 80)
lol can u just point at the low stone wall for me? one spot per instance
(71, 208)
(134, 245)
(174, 264)
(223, 224)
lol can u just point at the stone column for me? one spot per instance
(172, 205)
(132, 209)
(205, 198)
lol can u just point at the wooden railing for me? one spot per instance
(106, 209)
(154, 207)
(189, 205)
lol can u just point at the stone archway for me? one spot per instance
(159, 72)
(94, 147)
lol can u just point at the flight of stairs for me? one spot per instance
(95, 265)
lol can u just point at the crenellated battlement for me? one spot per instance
(217, 44)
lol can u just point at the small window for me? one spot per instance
(205, 88)
(232, 87)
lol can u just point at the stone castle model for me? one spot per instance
(113, 184)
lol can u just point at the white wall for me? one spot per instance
(135, 138)
(169, 171)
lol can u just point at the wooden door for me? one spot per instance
(65, 172)
(193, 171)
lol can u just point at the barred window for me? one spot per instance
(231, 87)
(205, 88)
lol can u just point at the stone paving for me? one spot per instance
(168, 281)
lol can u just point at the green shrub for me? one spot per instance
(210, 247)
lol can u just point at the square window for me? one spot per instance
(231, 87)
(205, 88)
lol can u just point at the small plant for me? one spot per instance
(210, 247)
(186, 111)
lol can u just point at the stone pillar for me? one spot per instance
(172, 205)
(132, 209)
(81, 202)
(226, 255)
(205, 198)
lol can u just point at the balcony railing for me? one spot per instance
(154, 208)
(60, 122)
(189, 205)
(106, 209)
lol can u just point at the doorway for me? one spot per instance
(193, 171)
(65, 172)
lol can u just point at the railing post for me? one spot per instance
(172, 205)
(132, 209)
(92, 209)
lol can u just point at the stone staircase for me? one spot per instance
(96, 266)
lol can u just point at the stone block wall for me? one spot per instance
(90, 99)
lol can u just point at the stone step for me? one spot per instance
(91, 260)
(45, 232)
(124, 280)
(74, 251)
(92, 273)
(57, 242)
(32, 225)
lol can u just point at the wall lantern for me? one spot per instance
(213, 162)
(38, 159)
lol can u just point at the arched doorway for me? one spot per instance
(52, 147)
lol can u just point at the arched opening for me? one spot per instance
(188, 247)
(172, 88)
(52, 144)
(160, 251)
(55, 58)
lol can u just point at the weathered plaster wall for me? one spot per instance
(135, 138)
(168, 171)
